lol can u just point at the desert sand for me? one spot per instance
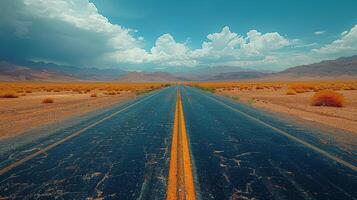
(299, 106)
(18, 115)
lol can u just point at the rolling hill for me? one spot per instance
(341, 68)
(12, 72)
(39, 71)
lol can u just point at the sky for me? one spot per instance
(180, 35)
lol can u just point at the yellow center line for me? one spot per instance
(180, 181)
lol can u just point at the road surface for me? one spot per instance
(239, 153)
(235, 152)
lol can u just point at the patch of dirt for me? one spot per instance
(299, 106)
(18, 115)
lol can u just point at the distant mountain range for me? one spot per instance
(342, 68)
(149, 77)
(39, 71)
(221, 73)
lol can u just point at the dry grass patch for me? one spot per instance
(110, 88)
(48, 100)
(9, 95)
(328, 98)
(110, 93)
(298, 87)
(290, 92)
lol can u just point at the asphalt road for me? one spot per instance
(240, 153)
(123, 157)
(237, 152)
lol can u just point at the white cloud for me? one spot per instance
(166, 47)
(169, 52)
(228, 48)
(265, 42)
(346, 45)
(344, 33)
(83, 15)
(319, 32)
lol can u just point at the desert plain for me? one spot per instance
(294, 99)
(28, 105)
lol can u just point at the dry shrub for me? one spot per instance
(290, 92)
(48, 100)
(28, 91)
(110, 93)
(328, 98)
(93, 95)
(9, 95)
(301, 90)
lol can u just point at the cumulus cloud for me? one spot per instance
(68, 31)
(170, 52)
(265, 42)
(227, 47)
(346, 45)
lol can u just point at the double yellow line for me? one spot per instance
(180, 182)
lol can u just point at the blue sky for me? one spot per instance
(195, 19)
(178, 35)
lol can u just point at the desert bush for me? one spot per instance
(290, 92)
(110, 93)
(93, 95)
(236, 98)
(9, 95)
(327, 98)
(48, 100)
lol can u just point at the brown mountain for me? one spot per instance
(341, 68)
(12, 72)
(148, 77)
(39, 71)
(221, 73)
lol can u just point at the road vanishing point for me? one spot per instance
(177, 143)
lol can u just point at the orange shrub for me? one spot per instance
(93, 95)
(48, 100)
(327, 98)
(110, 93)
(9, 95)
(291, 92)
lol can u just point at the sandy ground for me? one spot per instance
(18, 115)
(299, 106)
